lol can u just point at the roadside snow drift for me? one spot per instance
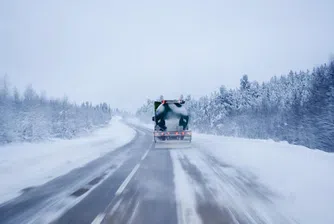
(136, 121)
(300, 176)
(30, 164)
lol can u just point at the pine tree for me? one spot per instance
(297, 107)
(33, 117)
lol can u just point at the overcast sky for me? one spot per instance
(124, 52)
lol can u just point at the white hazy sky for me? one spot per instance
(124, 52)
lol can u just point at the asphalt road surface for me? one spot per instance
(139, 183)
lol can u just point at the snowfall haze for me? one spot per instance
(124, 52)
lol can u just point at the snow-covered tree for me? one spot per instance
(33, 117)
(297, 107)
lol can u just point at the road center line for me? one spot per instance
(127, 180)
(144, 156)
(130, 176)
(98, 218)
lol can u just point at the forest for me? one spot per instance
(297, 108)
(31, 117)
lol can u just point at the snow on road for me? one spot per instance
(296, 183)
(185, 194)
(223, 192)
(30, 164)
(302, 178)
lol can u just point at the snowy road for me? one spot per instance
(188, 185)
(138, 183)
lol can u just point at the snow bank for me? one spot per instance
(303, 177)
(30, 164)
(138, 122)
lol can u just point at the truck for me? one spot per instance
(171, 120)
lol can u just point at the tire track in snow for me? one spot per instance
(238, 197)
(206, 205)
(184, 194)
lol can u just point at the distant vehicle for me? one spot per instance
(171, 122)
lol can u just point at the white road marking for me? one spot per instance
(98, 218)
(144, 156)
(114, 208)
(127, 180)
(134, 213)
(148, 150)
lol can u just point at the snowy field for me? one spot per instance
(30, 164)
(300, 178)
